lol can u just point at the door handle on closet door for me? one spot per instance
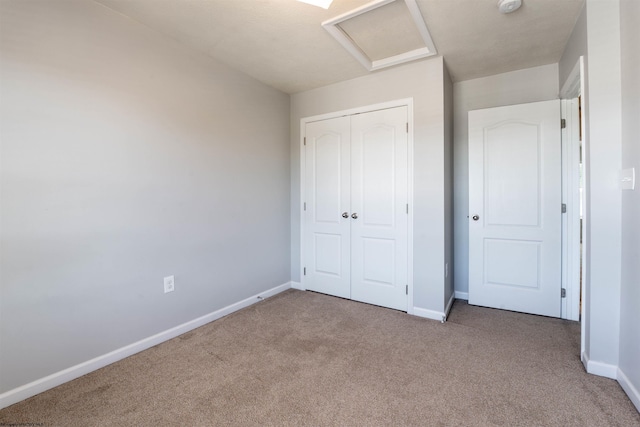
(345, 215)
(354, 215)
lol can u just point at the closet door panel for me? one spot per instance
(327, 190)
(379, 197)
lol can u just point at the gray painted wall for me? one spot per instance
(630, 290)
(603, 156)
(607, 35)
(423, 81)
(576, 46)
(517, 87)
(125, 159)
(448, 183)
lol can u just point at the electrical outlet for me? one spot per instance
(169, 284)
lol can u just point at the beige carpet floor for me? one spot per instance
(302, 358)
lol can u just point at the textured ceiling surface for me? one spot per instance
(282, 43)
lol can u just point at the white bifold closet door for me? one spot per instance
(356, 194)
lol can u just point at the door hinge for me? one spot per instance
(406, 290)
(563, 293)
(563, 123)
(407, 208)
(305, 140)
(564, 208)
(304, 271)
(407, 127)
(304, 206)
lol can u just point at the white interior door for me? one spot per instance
(515, 208)
(327, 190)
(379, 183)
(355, 222)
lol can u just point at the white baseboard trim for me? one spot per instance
(629, 388)
(429, 314)
(38, 386)
(297, 285)
(462, 295)
(584, 359)
(599, 368)
(449, 305)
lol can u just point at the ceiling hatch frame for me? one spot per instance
(332, 26)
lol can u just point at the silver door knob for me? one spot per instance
(345, 215)
(475, 217)
(354, 215)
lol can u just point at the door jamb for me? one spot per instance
(406, 102)
(572, 250)
(571, 217)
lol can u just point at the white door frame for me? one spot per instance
(571, 250)
(407, 102)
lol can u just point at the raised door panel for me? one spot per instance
(327, 177)
(512, 175)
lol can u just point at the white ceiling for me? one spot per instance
(281, 42)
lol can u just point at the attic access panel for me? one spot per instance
(383, 33)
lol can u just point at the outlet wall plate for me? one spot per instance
(169, 284)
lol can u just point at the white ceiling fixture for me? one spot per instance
(363, 34)
(320, 3)
(508, 6)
